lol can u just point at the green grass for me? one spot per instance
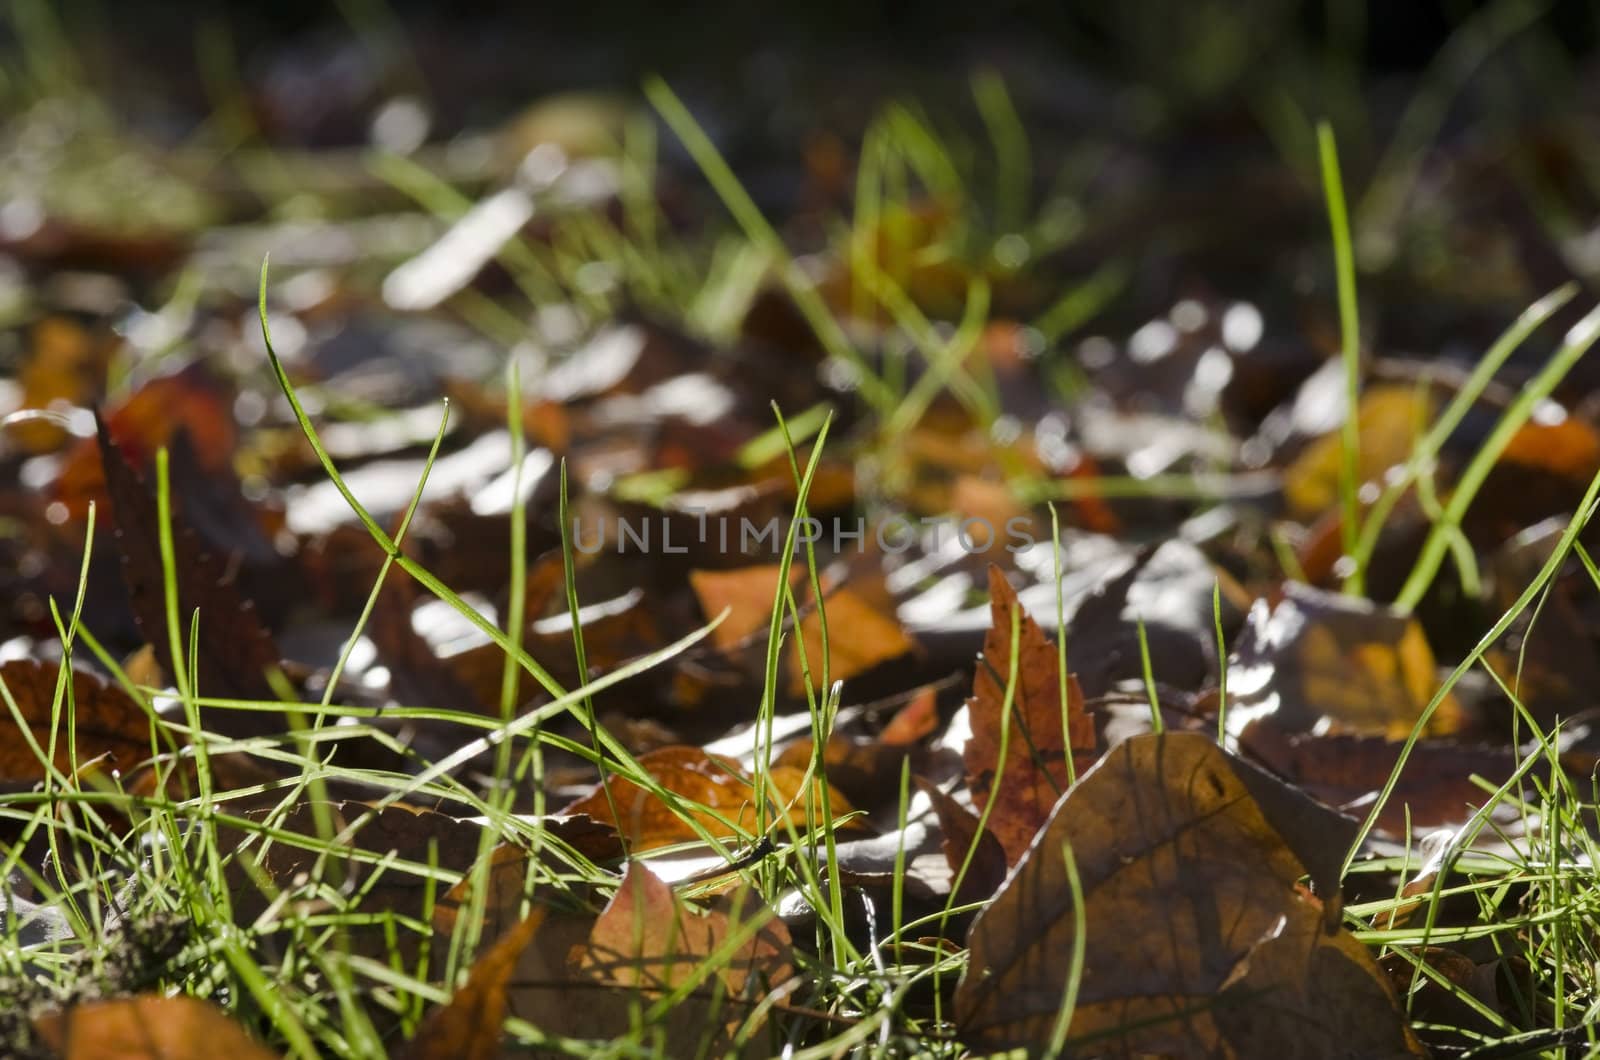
(175, 867)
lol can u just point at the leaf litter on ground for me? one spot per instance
(438, 854)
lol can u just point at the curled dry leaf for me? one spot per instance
(917, 719)
(1319, 660)
(146, 1028)
(725, 798)
(1034, 772)
(1198, 939)
(98, 721)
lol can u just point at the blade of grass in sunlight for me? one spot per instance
(1349, 353)
(1578, 341)
(1467, 394)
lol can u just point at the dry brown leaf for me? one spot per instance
(1189, 861)
(580, 976)
(1392, 419)
(647, 938)
(147, 1028)
(1434, 790)
(468, 1027)
(234, 650)
(1034, 773)
(103, 721)
(747, 594)
(986, 870)
(1317, 660)
(918, 718)
(866, 771)
(647, 943)
(647, 822)
(189, 400)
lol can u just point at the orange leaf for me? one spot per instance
(468, 1027)
(727, 797)
(147, 1028)
(860, 635)
(747, 593)
(859, 638)
(1320, 661)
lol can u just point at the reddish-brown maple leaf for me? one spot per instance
(1034, 773)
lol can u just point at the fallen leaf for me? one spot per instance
(1318, 660)
(506, 875)
(468, 1027)
(65, 365)
(234, 651)
(1034, 772)
(1434, 790)
(867, 771)
(190, 400)
(1392, 418)
(747, 593)
(578, 976)
(1457, 1008)
(1569, 447)
(860, 634)
(1170, 590)
(647, 938)
(917, 719)
(1198, 940)
(986, 870)
(725, 798)
(147, 1028)
(1322, 992)
(97, 720)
